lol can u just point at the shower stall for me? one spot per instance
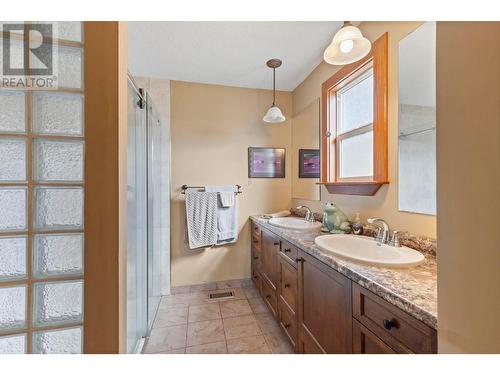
(148, 214)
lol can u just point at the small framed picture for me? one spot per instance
(309, 163)
(266, 162)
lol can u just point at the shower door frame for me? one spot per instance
(146, 103)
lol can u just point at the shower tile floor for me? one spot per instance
(188, 323)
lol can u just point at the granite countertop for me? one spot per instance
(413, 290)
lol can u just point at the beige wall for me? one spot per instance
(468, 172)
(305, 135)
(212, 127)
(385, 202)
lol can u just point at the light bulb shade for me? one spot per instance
(274, 115)
(341, 51)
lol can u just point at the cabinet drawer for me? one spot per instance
(255, 236)
(288, 323)
(256, 258)
(288, 285)
(256, 243)
(270, 297)
(366, 342)
(255, 230)
(397, 329)
(290, 252)
(269, 258)
(257, 280)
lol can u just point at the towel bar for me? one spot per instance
(185, 187)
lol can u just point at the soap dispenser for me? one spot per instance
(357, 226)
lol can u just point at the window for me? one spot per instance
(41, 208)
(354, 140)
(354, 132)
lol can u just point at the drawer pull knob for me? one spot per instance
(255, 258)
(388, 324)
(287, 325)
(256, 277)
(268, 296)
(276, 243)
(255, 241)
(287, 285)
(298, 260)
(287, 250)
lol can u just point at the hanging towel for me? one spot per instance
(277, 214)
(227, 198)
(227, 213)
(201, 219)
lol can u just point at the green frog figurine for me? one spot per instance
(334, 220)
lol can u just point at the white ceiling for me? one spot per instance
(228, 53)
(417, 67)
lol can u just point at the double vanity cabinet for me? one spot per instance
(322, 311)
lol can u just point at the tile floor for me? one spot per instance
(188, 323)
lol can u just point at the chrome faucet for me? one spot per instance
(382, 234)
(309, 213)
(395, 239)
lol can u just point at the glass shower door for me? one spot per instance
(155, 208)
(137, 236)
(146, 218)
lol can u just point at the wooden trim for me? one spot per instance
(380, 115)
(353, 187)
(103, 123)
(378, 57)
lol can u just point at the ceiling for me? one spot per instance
(228, 53)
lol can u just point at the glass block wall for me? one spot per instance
(41, 208)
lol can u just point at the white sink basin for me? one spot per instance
(368, 251)
(295, 223)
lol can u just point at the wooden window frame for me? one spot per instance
(377, 60)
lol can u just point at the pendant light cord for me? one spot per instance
(274, 86)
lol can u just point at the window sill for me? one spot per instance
(368, 188)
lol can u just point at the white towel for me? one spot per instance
(227, 215)
(201, 219)
(277, 214)
(227, 198)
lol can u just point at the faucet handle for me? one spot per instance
(395, 239)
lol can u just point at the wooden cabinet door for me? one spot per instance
(396, 328)
(324, 308)
(288, 285)
(269, 258)
(366, 342)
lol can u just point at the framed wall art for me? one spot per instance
(266, 162)
(309, 163)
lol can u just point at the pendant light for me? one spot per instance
(348, 46)
(274, 114)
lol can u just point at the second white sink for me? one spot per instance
(295, 223)
(368, 251)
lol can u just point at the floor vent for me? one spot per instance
(220, 295)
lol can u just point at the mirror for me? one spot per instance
(305, 153)
(417, 121)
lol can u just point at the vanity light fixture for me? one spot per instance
(274, 114)
(348, 46)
